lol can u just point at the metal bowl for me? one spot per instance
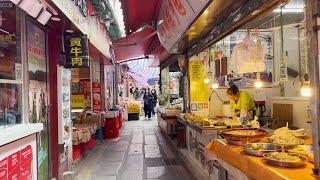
(268, 147)
(304, 149)
(283, 163)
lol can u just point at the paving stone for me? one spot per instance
(150, 139)
(134, 162)
(107, 168)
(135, 149)
(109, 156)
(132, 175)
(101, 177)
(123, 143)
(165, 146)
(149, 131)
(137, 139)
(156, 172)
(118, 148)
(152, 151)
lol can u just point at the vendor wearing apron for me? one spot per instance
(242, 104)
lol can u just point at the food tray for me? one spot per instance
(307, 149)
(256, 136)
(268, 148)
(287, 164)
(285, 145)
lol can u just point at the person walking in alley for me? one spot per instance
(154, 101)
(147, 101)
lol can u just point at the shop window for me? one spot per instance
(10, 65)
(283, 44)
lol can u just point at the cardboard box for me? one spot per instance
(76, 136)
(93, 120)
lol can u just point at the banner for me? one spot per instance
(175, 16)
(96, 90)
(38, 94)
(76, 51)
(78, 101)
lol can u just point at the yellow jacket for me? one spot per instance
(245, 101)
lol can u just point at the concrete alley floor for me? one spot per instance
(141, 153)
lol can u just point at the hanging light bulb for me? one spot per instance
(305, 89)
(206, 80)
(214, 85)
(258, 83)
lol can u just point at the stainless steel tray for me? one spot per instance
(268, 147)
(287, 164)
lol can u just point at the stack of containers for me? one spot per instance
(120, 119)
(111, 126)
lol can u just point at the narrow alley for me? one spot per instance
(141, 152)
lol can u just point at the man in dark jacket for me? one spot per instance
(147, 101)
(154, 101)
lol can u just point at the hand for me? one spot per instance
(235, 118)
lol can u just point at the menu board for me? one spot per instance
(304, 69)
(199, 91)
(18, 160)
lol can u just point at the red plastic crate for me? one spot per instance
(120, 119)
(90, 144)
(112, 123)
(112, 133)
(76, 152)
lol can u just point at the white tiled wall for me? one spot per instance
(300, 106)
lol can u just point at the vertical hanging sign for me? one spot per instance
(76, 51)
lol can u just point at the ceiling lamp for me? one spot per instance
(35, 10)
(206, 81)
(258, 83)
(305, 89)
(44, 17)
(214, 85)
(15, 1)
(26, 5)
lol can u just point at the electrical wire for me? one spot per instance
(217, 96)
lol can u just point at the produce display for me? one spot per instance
(174, 108)
(133, 108)
(196, 120)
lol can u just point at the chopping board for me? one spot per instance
(282, 113)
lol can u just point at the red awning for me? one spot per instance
(137, 14)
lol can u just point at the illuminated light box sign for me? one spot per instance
(76, 51)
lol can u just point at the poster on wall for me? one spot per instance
(18, 160)
(199, 91)
(96, 97)
(37, 67)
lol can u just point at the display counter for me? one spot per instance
(238, 164)
(167, 123)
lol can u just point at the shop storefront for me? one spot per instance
(267, 57)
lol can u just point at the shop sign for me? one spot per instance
(96, 97)
(199, 90)
(77, 101)
(176, 16)
(76, 51)
(76, 11)
(18, 160)
(98, 33)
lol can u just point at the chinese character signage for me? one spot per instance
(78, 101)
(177, 15)
(96, 97)
(76, 11)
(18, 160)
(76, 51)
